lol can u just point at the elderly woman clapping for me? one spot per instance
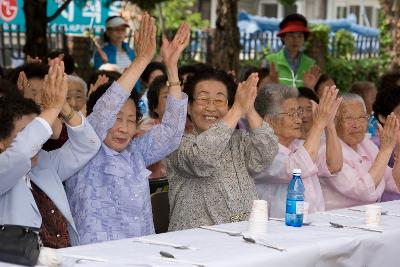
(365, 174)
(279, 106)
(210, 173)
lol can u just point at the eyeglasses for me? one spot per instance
(306, 110)
(350, 120)
(219, 102)
(293, 114)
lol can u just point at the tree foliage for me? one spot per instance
(344, 44)
(174, 12)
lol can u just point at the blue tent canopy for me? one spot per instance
(250, 24)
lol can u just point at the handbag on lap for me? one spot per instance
(19, 244)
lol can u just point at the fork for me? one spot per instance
(338, 225)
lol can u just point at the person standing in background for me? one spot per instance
(291, 63)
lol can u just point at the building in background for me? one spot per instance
(366, 11)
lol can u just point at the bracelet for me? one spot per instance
(169, 84)
(68, 117)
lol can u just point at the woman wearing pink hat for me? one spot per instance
(116, 51)
(291, 63)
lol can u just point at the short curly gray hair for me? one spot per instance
(270, 98)
(77, 79)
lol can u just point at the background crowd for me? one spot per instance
(85, 151)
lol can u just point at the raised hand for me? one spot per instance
(246, 94)
(145, 39)
(31, 60)
(326, 110)
(273, 76)
(101, 79)
(60, 57)
(172, 50)
(310, 77)
(389, 134)
(22, 82)
(55, 87)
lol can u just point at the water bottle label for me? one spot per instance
(294, 206)
(299, 207)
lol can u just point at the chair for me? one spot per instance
(160, 206)
(158, 185)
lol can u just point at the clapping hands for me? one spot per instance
(246, 94)
(389, 134)
(145, 39)
(55, 87)
(310, 77)
(325, 111)
(172, 50)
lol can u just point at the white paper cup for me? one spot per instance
(373, 215)
(259, 211)
(306, 208)
(258, 218)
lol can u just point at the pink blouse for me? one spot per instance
(353, 185)
(273, 181)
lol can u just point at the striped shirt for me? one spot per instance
(123, 60)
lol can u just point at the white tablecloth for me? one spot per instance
(318, 245)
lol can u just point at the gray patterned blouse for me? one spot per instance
(210, 174)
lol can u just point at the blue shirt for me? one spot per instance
(111, 52)
(294, 63)
(110, 197)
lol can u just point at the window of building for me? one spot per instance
(287, 10)
(368, 13)
(341, 12)
(356, 11)
(269, 10)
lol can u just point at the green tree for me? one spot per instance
(344, 44)
(172, 13)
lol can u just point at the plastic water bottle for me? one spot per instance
(372, 123)
(295, 200)
(142, 106)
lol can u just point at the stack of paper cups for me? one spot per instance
(373, 215)
(258, 218)
(306, 206)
